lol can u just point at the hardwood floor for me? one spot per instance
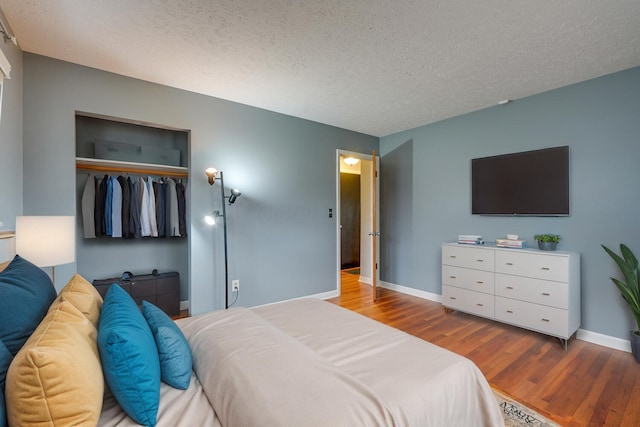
(587, 385)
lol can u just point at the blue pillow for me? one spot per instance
(5, 361)
(129, 357)
(3, 411)
(173, 349)
(26, 292)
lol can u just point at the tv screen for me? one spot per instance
(531, 183)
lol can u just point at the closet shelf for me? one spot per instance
(101, 165)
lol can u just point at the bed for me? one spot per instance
(308, 363)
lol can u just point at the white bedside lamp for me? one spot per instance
(46, 241)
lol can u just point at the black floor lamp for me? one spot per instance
(211, 219)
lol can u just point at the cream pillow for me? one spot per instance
(3, 265)
(83, 296)
(56, 378)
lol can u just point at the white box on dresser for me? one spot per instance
(533, 289)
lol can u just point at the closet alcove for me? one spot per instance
(119, 147)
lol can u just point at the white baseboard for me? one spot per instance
(367, 280)
(323, 295)
(604, 340)
(184, 305)
(582, 334)
(411, 291)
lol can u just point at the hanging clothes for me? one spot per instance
(145, 220)
(173, 219)
(182, 205)
(133, 207)
(101, 194)
(159, 189)
(151, 206)
(125, 211)
(116, 208)
(88, 206)
(136, 202)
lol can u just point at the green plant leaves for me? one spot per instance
(629, 288)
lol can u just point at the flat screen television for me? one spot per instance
(531, 183)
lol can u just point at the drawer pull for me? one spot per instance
(546, 294)
(452, 277)
(509, 311)
(509, 263)
(510, 287)
(480, 305)
(452, 297)
(545, 268)
(479, 282)
(545, 320)
(452, 256)
(480, 260)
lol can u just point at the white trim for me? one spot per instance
(366, 280)
(411, 291)
(5, 66)
(604, 340)
(184, 305)
(323, 295)
(336, 211)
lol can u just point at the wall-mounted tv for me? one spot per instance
(531, 183)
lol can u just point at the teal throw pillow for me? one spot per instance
(129, 357)
(5, 361)
(26, 292)
(173, 348)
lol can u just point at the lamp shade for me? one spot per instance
(46, 241)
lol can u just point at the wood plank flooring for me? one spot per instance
(587, 385)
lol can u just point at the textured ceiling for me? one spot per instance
(373, 66)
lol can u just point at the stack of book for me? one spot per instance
(511, 243)
(470, 239)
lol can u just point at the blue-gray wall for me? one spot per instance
(11, 140)
(599, 120)
(281, 242)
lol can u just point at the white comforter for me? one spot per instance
(311, 363)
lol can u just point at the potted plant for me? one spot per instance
(630, 289)
(547, 242)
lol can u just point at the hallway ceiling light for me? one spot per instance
(351, 160)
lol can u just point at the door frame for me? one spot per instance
(361, 156)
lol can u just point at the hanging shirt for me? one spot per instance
(107, 206)
(182, 205)
(136, 202)
(88, 208)
(159, 189)
(145, 221)
(101, 193)
(116, 208)
(152, 208)
(172, 203)
(126, 200)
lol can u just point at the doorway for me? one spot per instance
(354, 217)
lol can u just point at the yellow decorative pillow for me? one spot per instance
(56, 378)
(83, 296)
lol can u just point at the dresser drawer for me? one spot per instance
(549, 320)
(468, 301)
(539, 266)
(469, 257)
(475, 280)
(545, 292)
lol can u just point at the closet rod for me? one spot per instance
(137, 171)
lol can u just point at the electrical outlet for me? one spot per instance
(235, 285)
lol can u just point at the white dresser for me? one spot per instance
(533, 289)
